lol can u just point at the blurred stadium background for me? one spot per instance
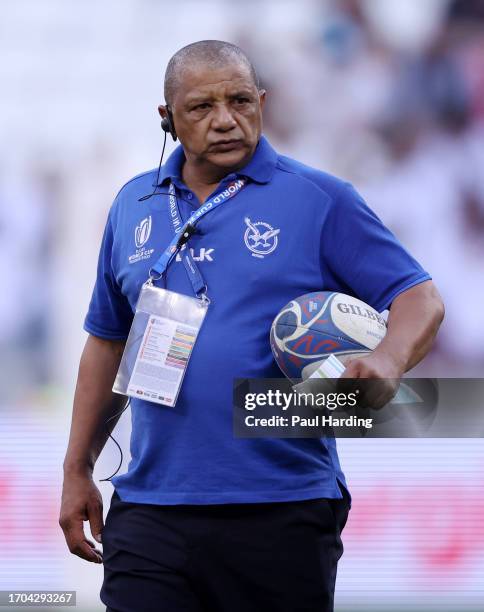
(388, 94)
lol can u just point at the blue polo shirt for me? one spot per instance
(292, 230)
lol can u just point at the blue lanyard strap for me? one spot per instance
(183, 231)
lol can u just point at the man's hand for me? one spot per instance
(415, 316)
(95, 406)
(81, 501)
(384, 373)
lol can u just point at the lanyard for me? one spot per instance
(193, 272)
(183, 231)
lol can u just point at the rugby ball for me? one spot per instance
(312, 327)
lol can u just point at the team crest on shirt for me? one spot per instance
(260, 238)
(142, 234)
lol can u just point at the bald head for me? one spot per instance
(210, 53)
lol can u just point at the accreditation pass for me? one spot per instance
(161, 360)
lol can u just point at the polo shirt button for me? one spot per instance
(190, 196)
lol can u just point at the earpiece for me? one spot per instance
(167, 124)
(167, 127)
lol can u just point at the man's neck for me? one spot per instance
(202, 181)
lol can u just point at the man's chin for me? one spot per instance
(233, 159)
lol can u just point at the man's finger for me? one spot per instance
(77, 542)
(346, 382)
(85, 551)
(95, 516)
(352, 370)
(99, 553)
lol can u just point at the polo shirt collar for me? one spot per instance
(260, 167)
(262, 164)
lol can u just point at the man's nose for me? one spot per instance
(222, 118)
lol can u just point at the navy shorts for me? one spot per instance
(222, 558)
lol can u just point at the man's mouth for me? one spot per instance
(226, 145)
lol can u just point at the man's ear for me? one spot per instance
(167, 123)
(262, 98)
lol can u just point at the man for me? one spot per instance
(203, 521)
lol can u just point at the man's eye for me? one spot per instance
(241, 101)
(202, 106)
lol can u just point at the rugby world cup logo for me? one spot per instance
(142, 232)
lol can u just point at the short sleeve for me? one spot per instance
(361, 256)
(109, 315)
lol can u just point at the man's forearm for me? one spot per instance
(94, 404)
(414, 319)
